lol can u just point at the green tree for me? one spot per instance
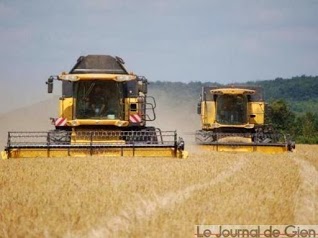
(281, 116)
(307, 128)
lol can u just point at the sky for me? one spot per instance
(222, 41)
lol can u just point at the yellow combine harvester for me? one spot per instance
(233, 119)
(103, 111)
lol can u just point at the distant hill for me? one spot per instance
(300, 88)
(300, 92)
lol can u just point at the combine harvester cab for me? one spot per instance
(233, 119)
(103, 111)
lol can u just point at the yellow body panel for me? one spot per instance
(235, 91)
(208, 113)
(66, 108)
(257, 109)
(99, 122)
(90, 76)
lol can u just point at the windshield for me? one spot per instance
(231, 109)
(98, 100)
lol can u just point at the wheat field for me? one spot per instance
(156, 197)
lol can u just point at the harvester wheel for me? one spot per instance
(203, 137)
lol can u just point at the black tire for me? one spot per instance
(203, 137)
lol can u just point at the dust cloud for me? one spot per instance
(32, 118)
(176, 113)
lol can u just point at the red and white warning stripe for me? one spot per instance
(60, 121)
(135, 118)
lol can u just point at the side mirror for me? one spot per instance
(199, 108)
(50, 84)
(143, 85)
